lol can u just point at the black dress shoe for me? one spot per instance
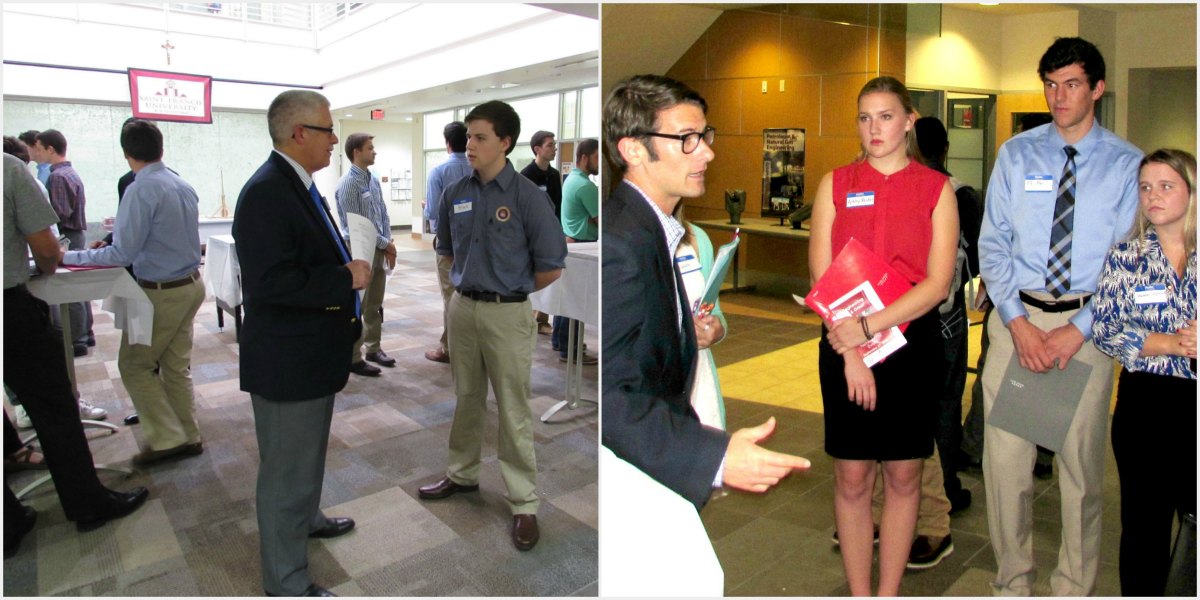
(14, 532)
(313, 590)
(132, 419)
(80, 350)
(525, 532)
(114, 506)
(362, 368)
(381, 358)
(960, 501)
(444, 489)
(1043, 471)
(334, 526)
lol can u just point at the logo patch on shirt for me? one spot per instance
(503, 213)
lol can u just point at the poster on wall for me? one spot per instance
(162, 96)
(783, 172)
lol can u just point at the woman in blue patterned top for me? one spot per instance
(1145, 317)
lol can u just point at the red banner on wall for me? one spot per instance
(162, 96)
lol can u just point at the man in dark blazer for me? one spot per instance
(301, 319)
(656, 134)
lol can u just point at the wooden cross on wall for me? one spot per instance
(168, 47)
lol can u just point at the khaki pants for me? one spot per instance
(493, 342)
(1008, 465)
(372, 310)
(443, 270)
(165, 401)
(933, 513)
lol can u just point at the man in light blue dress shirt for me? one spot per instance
(359, 193)
(157, 231)
(440, 177)
(1047, 325)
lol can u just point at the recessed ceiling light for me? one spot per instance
(409, 119)
(349, 115)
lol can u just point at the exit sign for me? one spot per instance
(377, 114)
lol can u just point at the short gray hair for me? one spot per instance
(288, 109)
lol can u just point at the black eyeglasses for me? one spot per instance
(325, 129)
(691, 141)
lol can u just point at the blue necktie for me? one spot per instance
(312, 190)
(1058, 279)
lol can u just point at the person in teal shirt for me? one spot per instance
(581, 199)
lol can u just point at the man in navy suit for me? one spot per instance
(301, 320)
(657, 135)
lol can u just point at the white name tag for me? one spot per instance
(366, 195)
(462, 206)
(542, 187)
(1039, 183)
(687, 264)
(857, 199)
(1150, 294)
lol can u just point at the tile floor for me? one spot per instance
(197, 535)
(778, 544)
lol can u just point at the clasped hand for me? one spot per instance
(846, 334)
(1187, 340)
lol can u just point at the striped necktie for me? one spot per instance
(1058, 276)
(337, 239)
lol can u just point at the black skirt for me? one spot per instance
(907, 387)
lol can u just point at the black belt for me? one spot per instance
(493, 296)
(1054, 307)
(166, 285)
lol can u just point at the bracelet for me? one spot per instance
(866, 329)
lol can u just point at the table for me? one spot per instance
(223, 276)
(214, 226)
(575, 295)
(123, 297)
(766, 229)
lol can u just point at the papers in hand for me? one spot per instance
(362, 241)
(721, 263)
(1039, 406)
(859, 283)
(860, 301)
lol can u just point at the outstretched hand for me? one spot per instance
(752, 468)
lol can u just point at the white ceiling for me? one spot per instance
(405, 58)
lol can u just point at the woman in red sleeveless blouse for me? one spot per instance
(907, 214)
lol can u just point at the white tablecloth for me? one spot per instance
(222, 273)
(131, 309)
(576, 294)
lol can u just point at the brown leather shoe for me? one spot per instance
(146, 457)
(437, 355)
(381, 358)
(444, 489)
(362, 368)
(525, 532)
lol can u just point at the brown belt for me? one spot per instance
(166, 285)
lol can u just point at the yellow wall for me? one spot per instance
(822, 64)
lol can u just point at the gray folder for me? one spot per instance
(1039, 406)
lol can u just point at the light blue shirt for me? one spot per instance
(359, 193)
(157, 229)
(1014, 242)
(440, 177)
(43, 173)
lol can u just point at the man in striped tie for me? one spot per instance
(1059, 196)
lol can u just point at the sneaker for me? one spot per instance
(23, 421)
(91, 413)
(925, 556)
(837, 542)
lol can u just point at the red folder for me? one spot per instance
(859, 282)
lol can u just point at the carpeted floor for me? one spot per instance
(778, 543)
(197, 535)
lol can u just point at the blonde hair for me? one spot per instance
(890, 85)
(1184, 165)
